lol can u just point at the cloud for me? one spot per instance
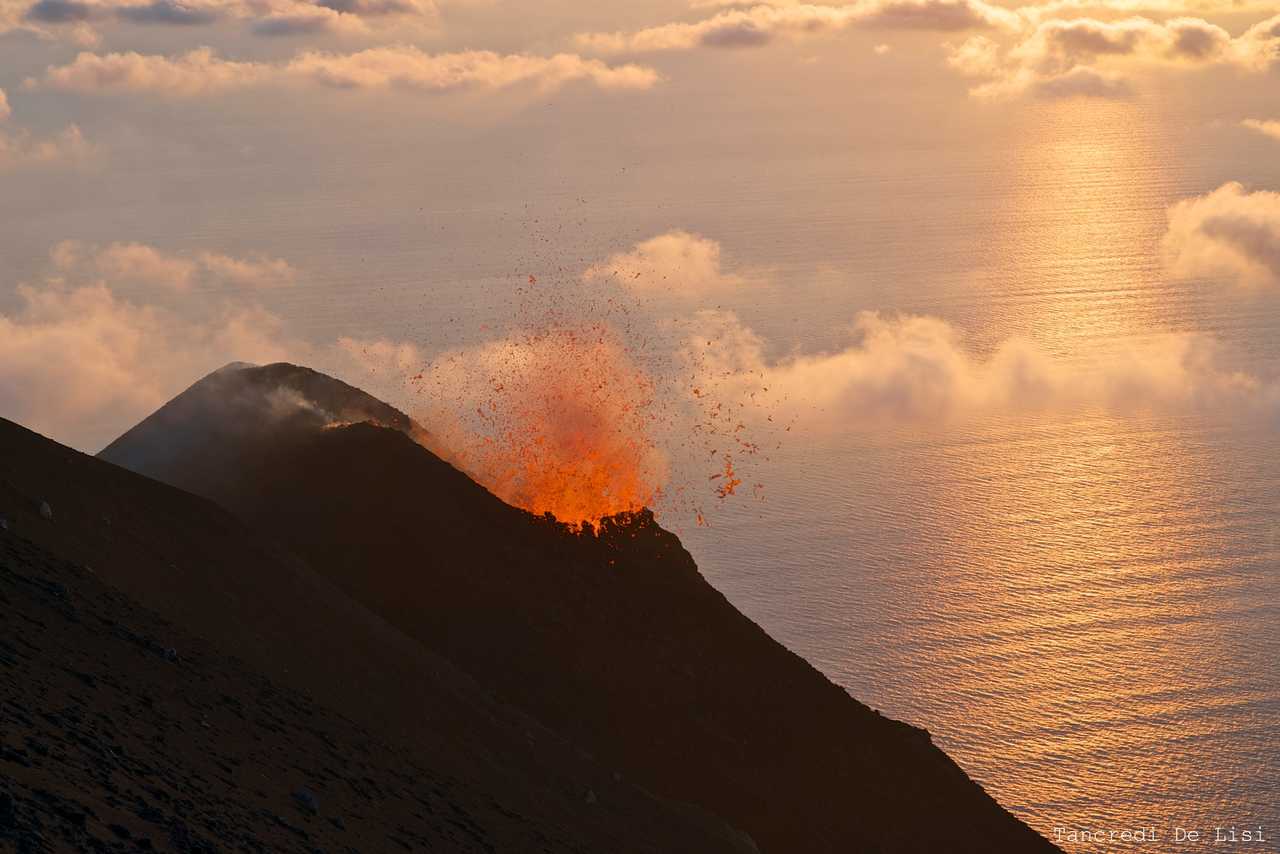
(410, 68)
(1063, 58)
(301, 24)
(11, 15)
(203, 72)
(75, 20)
(19, 148)
(917, 370)
(59, 11)
(169, 13)
(1229, 232)
(1057, 46)
(140, 264)
(382, 356)
(976, 56)
(136, 262)
(912, 369)
(81, 363)
(255, 272)
(379, 8)
(1266, 127)
(1036, 12)
(199, 72)
(761, 24)
(18, 16)
(1258, 49)
(677, 261)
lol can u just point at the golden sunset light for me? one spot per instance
(669, 426)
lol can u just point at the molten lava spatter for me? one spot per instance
(562, 423)
(579, 408)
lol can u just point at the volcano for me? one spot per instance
(615, 642)
(171, 680)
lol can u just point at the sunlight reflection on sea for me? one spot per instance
(1084, 610)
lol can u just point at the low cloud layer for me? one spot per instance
(1052, 50)
(676, 262)
(1067, 58)
(761, 24)
(920, 370)
(1230, 233)
(203, 72)
(82, 363)
(137, 263)
(912, 370)
(1266, 127)
(20, 149)
(77, 20)
(1036, 12)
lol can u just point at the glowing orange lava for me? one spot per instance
(574, 409)
(560, 421)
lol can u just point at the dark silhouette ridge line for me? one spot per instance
(122, 730)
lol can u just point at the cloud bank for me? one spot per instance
(19, 148)
(76, 19)
(82, 363)
(918, 370)
(1231, 233)
(1060, 48)
(678, 261)
(1062, 58)
(761, 24)
(1265, 127)
(203, 72)
(140, 264)
(913, 370)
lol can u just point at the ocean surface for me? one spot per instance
(1083, 608)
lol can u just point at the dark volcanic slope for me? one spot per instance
(617, 642)
(516, 785)
(121, 732)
